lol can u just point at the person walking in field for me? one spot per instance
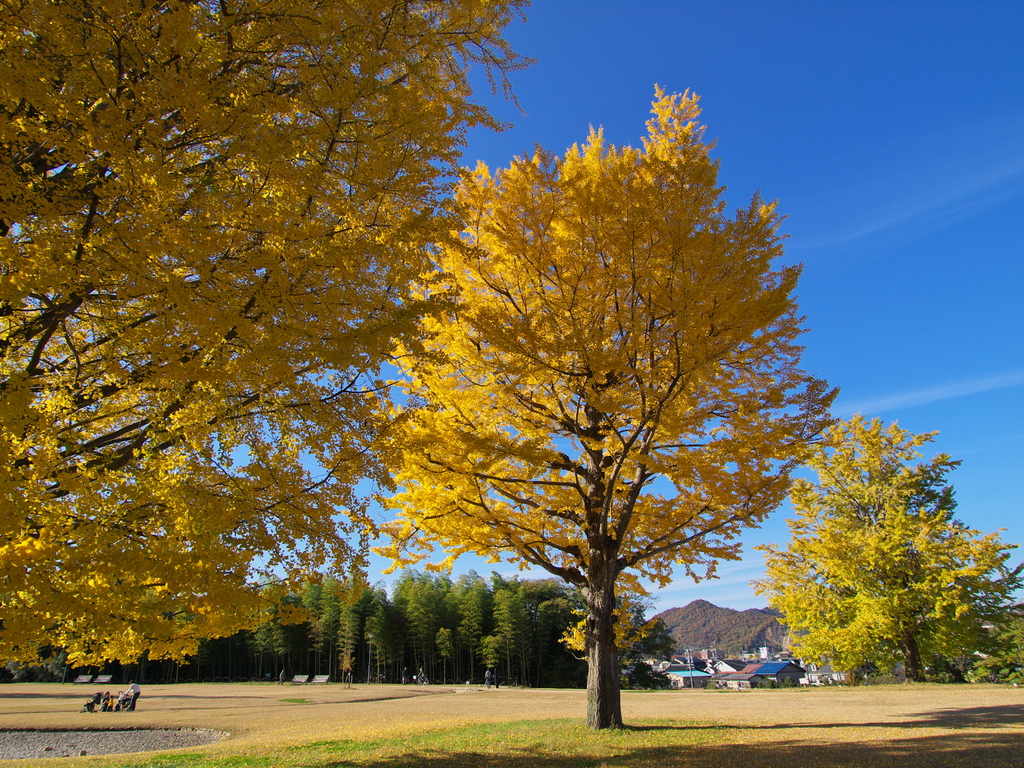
(134, 691)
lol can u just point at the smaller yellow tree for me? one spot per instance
(878, 570)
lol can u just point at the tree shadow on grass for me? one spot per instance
(986, 750)
(952, 718)
(971, 717)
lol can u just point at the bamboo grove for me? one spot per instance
(452, 630)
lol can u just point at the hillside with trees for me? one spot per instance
(701, 625)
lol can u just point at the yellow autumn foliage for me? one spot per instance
(617, 392)
(210, 218)
(878, 570)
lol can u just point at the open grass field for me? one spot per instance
(456, 727)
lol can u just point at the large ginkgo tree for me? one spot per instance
(617, 392)
(211, 214)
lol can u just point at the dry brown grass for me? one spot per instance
(904, 726)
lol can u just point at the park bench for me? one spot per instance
(103, 679)
(300, 679)
(320, 679)
(83, 679)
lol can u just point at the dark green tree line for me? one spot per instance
(452, 630)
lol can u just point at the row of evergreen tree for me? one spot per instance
(452, 630)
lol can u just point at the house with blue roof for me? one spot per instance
(682, 677)
(777, 671)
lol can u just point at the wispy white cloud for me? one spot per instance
(944, 186)
(936, 208)
(930, 395)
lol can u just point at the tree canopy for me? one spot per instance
(211, 214)
(617, 391)
(878, 570)
(1004, 662)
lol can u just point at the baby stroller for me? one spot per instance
(124, 701)
(92, 702)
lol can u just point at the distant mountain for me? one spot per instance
(701, 625)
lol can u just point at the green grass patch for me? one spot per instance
(296, 701)
(524, 744)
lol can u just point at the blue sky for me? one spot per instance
(892, 135)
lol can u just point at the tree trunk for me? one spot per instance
(603, 702)
(912, 666)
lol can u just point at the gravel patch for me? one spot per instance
(17, 745)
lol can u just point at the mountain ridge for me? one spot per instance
(701, 625)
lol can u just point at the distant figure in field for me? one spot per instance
(497, 680)
(405, 675)
(487, 678)
(134, 691)
(281, 678)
